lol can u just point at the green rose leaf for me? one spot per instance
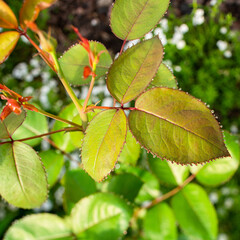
(159, 223)
(132, 71)
(23, 179)
(9, 125)
(53, 163)
(126, 185)
(78, 184)
(101, 216)
(39, 226)
(163, 78)
(132, 19)
(103, 142)
(217, 172)
(195, 213)
(168, 173)
(131, 151)
(76, 58)
(8, 41)
(35, 124)
(176, 126)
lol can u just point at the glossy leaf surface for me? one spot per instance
(103, 142)
(76, 58)
(39, 226)
(163, 78)
(101, 216)
(23, 179)
(132, 19)
(53, 162)
(34, 124)
(159, 223)
(217, 172)
(78, 184)
(7, 17)
(195, 213)
(126, 185)
(30, 10)
(168, 173)
(8, 41)
(10, 124)
(131, 150)
(175, 126)
(132, 71)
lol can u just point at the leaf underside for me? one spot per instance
(103, 142)
(132, 19)
(175, 126)
(23, 179)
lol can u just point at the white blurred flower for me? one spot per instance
(198, 17)
(222, 45)
(213, 196)
(159, 32)
(223, 30)
(213, 2)
(184, 28)
(181, 44)
(148, 35)
(130, 44)
(227, 54)
(164, 24)
(177, 68)
(20, 70)
(228, 203)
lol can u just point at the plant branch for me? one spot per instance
(42, 135)
(171, 193)
(59, 118)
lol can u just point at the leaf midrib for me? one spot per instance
(167, 120)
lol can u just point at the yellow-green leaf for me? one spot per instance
(176, 126)
(103, 142)
(8, 41)
(30, 10)
(7, 17)
(132, 19)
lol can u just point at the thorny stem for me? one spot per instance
(89, 108)
(42, 135)
(90, 87)
(57, 69)
(59, 118)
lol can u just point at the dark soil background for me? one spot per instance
(91, 17)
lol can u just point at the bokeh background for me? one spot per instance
(202, 48)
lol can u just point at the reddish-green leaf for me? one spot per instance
(23, 181)
(9, 125)
(163, 78)
(30, 10)
(7, 17)
(103, 142)
(132, 19)
(76, 58)
(8, 41)
(176, 126)
(132, 72)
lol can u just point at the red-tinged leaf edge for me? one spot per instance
(184, 164)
